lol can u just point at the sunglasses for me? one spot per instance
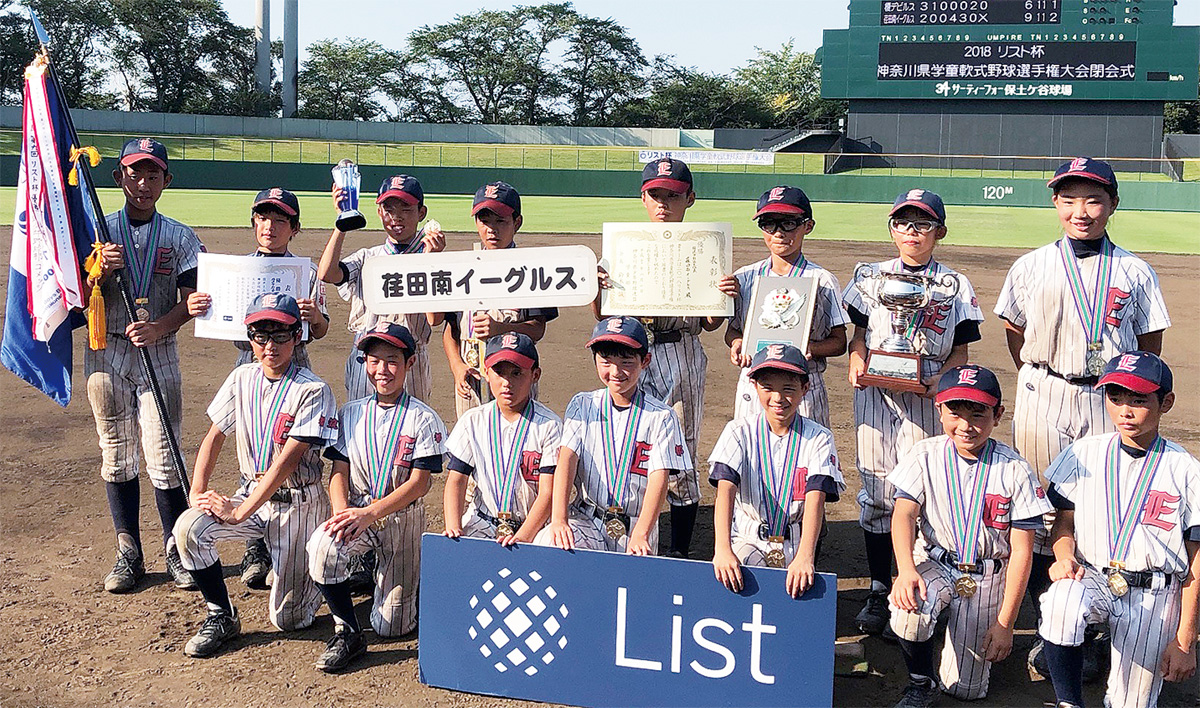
(924, 226)
(773, 225)
(279, 336)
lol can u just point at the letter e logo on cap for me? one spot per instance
(146, 144)
(491, 191)
(1128, 362)
(509, 341)
(967, 377)
(774, 351)
(664, 167)
(915, 194)
(1077, 164)
(615, 324)
(776, 194)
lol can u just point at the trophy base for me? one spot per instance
(350, 221)
(897, 371)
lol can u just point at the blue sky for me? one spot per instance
(711, 35)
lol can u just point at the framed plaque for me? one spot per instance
(666, 270)
(781, 312)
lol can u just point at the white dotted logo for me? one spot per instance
(517, 623)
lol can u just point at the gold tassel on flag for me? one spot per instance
(97, 325)
(93, 156)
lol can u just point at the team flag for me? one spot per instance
(53, 229)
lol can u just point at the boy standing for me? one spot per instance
(977, 504)
(619, 445)
(159, 258)
(508, 446)
(283, 415)
(387, 448)
(773, 472)
(1126, 544)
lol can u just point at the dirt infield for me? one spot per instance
(65, 642)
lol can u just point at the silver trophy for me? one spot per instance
(896, 363)
(347, 178)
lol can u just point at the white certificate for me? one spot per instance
(668, 270)
(234, 281)
(459, 281)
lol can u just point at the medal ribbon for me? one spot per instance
(380, 463)
(414, 246)
(264, 447)
(779, 482)
(1121, 523)
(1090, 310)
(142, 270)
(507, 466)
(616, 468)
(797, 268)
(967, 520)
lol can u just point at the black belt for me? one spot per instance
(1138, 578)
(950, 558)
(287, 495)
(604, 514)
(516, 523)
(670, 336)
(764, 532)
(1074, 380)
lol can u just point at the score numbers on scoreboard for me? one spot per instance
(922, 13)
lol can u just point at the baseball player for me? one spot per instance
(888, 423)
(619, 445)
(159, 258)
(785, 216)
(401, 207)
(977, 504)
(387, 447)
(497, 212)
(1068, 307)
(773, 472)
(282, 415)
(1126, 538)
(508, 446)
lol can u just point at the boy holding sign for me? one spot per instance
(773, 472)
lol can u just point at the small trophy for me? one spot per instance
(347, 178)
(896, 364)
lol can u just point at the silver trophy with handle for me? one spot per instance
(347, 178)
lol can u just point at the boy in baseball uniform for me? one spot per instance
(282, 415)
(158, 255)
(889, 422)
(509, 446)
(497, 212)
(773, 472)
(977, 505)
(387, 448)
(785, 217)
(619, 446)
(401, 207)
(1126, 539)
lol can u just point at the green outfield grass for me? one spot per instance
(1023, 227)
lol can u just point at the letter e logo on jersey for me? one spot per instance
(776, 194)
(518, 622)
(1158, 506)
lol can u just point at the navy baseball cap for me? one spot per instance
(512, 347)
(923, 199)
(784, 200)
(392, 333)
(622, 330)
(406, 188)
(140, 149)
(280, 198)
(782, 357)
(969, 383)
(667, 173)
(1087, 168)
(499, 197)
(1142, 372)
(273, 307)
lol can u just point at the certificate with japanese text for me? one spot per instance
(669, 270)
(234, 281)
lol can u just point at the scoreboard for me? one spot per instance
(1011, 49)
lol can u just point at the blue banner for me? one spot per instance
(606, 629)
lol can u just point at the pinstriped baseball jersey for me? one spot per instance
(658, 445)
(306, 410)
(352, 292)
(933, 334)
(1036, 295)
(173, 248)
(737, 449)
(690, 325)
(1013, 493)
(1172, 505)
(470, 448)
(316, 292)
(421, 434)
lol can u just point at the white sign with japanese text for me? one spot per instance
(667, 270)
(234, 281)
(510, 278)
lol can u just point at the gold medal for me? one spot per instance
(142, 311)
(614, 526)
(471, 355)
(1095, 359)
(1117, 583)
(775, 558)
(504, 525)
(965, 586)
(381, 522)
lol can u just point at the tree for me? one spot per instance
(602, 69)
(788, 83)
(76, 29)
(346, 80)
(16, 50)
(234, 90)
(1182, 117)
(684, 97)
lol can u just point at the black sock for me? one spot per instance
(918, 656)
(683, 522)
(1066, 671)
(1039, 582)
(879, 557)
(171, 503)
(124, 501)
(211, 582)
(341, 605)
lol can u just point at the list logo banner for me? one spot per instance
(590, 628)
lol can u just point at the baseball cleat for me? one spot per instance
(128, 569)
(256, 565)
(346, 646)
(182, 577)
(874, 616)
(919, 694)
(219, 627)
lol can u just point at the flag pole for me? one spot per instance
(88, 186)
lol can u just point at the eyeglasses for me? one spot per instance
(776, 225)
(924, 226)
(279, 336)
